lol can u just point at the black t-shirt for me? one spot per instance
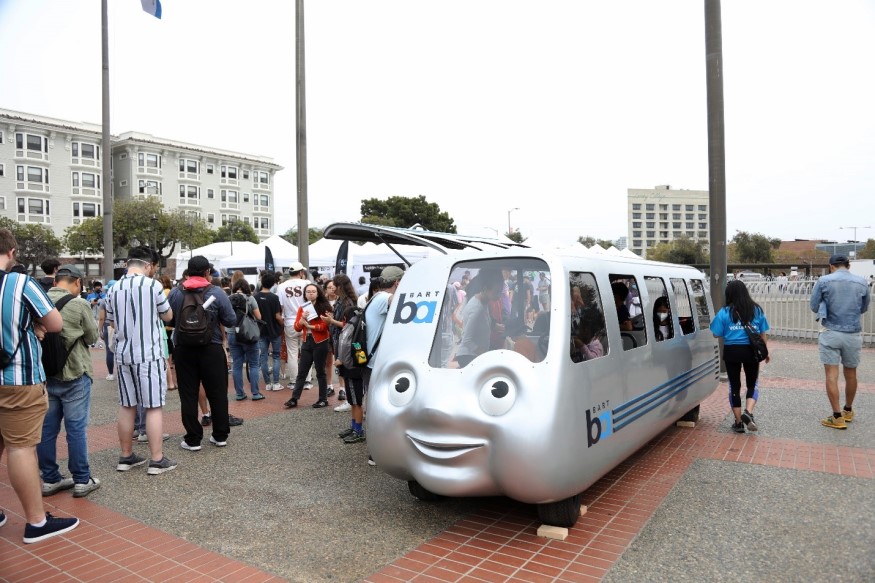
(269, 306)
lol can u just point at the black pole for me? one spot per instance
(716, 150)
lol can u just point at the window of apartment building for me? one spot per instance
(84, 151)
(636, 225)
(636, 243)
(1, 137)
(226, 219)
(651, 206)
(636, 233)
(663, 207)
(703, 225)
(189, 194)
(651, 233)
(703, 234)
(689, 207)
(210, 193)
(33, 210)
(149, 160)
(262, 222)
(2, 203)
(33, 174)
(246, 220)
(651, 243)
(691, 234)
(229, 172)
(675, 225)
(149, 187)
(651, 216)
(245, 197)
(663, 234)
(676, 216)
(85, 210)
(663, 216)
(677, 234)
(2, 170)
(703, 207)
(690, 216)
(86, 180)
(229, 196)
(675, 207)
(703, 217)
(211, 218)
(691, 225)
(189, 166)
(636, 206)
(264, 200)
(636, 215)
(31, 142)
(651, 225)
(209, 168)
(263, 178)
(246, 175)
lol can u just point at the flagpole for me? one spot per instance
(108, 251)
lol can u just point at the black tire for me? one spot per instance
(421, 493)
(691, 415)
(563, 513)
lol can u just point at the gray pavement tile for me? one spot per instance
(727, 521)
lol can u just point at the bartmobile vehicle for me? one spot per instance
(525, 385)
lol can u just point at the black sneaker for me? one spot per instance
(747, 419)
(293, 402)
(52, 527)
(320, 404)
(341, 396)
(738, 427)
(126, 463)
(234, 421)
(165, 465)
(330, 391)
(346, 433)
(206, 420)
(356, 437)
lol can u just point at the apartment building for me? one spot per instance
(661, 215)
(51, 173)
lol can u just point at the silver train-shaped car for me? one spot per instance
(536, 391)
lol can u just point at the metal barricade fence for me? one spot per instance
(787, 308)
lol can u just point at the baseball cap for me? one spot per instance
(69, 271)
(838, 259)
(296, 267)
(392, 273)
(198, 264)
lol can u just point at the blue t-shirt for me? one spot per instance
(724, 325)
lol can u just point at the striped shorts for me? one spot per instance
(144, 384)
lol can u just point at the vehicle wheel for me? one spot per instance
(691, 415)
(421, 493)
(563, 513)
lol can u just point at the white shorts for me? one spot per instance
(144, 384)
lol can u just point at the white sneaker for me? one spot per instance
(343, 407)
(218, 443)
(278, 387)
(110, 377)
(308, 385)
(185, 445)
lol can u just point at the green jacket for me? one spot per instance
(78, 323)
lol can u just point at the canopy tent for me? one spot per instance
(251, 260)
(213, 252)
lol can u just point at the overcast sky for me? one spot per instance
(554, 107)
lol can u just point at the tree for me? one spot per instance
(589, 241)
(683, 250)
(35, 243)
(516, 236)
(867, 252)
(292, 235)
(236, 231)
(754, 247)
(140, 222)
(403, 211)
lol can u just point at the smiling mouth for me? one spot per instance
(443, 450)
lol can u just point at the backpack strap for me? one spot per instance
(60, 306)
(379, 334)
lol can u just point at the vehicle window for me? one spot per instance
(588, 337)
(630, 312)
(701, 303)
(684, 307)
(659, 308)
(490, 305)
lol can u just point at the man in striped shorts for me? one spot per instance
(135, 304)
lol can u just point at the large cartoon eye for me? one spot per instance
(497, 396)
(402, 388)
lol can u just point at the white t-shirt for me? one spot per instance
(291, 295)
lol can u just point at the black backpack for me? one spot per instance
(194, 324)
(55, 354)
(352, 349)
(247, 330)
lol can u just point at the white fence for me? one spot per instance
(788, 312)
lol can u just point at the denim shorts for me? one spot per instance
(840, 348)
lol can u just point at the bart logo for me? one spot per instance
(417, 312)
(602, 424)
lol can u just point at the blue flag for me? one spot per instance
(153, 7)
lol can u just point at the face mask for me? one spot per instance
(663, 316)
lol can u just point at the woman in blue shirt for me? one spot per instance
(737, 352)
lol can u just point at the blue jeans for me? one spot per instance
(239, 354)
(110, 355)
(268, 348)
(70, 401)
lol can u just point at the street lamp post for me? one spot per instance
(509, 229)
(854, 252)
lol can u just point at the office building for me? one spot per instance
(661, 215)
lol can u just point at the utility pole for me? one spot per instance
(301, 137)
(716, 149)
(106, 161)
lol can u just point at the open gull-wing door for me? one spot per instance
(443, 242)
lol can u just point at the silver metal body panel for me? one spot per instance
(561, 424)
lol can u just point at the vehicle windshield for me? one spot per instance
(493, 304)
